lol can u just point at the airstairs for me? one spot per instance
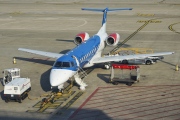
(80, 75)
(79, 78)
(83, 73)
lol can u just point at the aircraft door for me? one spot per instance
(77, 62)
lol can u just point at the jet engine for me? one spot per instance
(113, 39)
(81, 37)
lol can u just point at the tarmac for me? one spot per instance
(51, 25)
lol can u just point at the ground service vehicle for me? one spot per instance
(17, 89)
(147, 61)
(123, 73)
(10, 74)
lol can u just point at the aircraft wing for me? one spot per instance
(128, 57)
(43, 53)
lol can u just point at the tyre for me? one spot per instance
(124, 62)
(62, 91)
(52, 101)
(107, 66)
(129, 83)
(44, 100)
(3, 82)
(6, 100)
(20, 100)
(115, 83)
(24, 96)
(148, 62)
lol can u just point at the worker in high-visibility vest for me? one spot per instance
(14, 60)
(177, 67)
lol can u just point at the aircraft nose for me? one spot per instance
(59, 76)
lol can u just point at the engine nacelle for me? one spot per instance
(113, 39)
(81, 37)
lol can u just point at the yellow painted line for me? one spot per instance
(145, 15)
(53, 106)
(32, 111)
(146, 22)
(37, 105)
(149, 21)
(67, 105)
(171, 27)
(120, 44)
(16, 13)
(58, 101)
(134, 51)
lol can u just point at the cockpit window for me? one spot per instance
(58, 64)
(65, 64)
(62, 64)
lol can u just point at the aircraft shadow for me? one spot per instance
(167, 63)
(44, 81)
(2, 92)
(65, 51)
(90, 114)
(2, 95)
(37, 60)
(126, 45)
(104, 77)
(64, 40)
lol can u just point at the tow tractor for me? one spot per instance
(10, 74)
(17, 89)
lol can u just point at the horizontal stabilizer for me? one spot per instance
(102, 10)
(105, 10)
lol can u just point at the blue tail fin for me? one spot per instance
(105, 11)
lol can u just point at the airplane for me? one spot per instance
(87, 53)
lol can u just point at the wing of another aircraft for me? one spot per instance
(43, 53)
(128, 57)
